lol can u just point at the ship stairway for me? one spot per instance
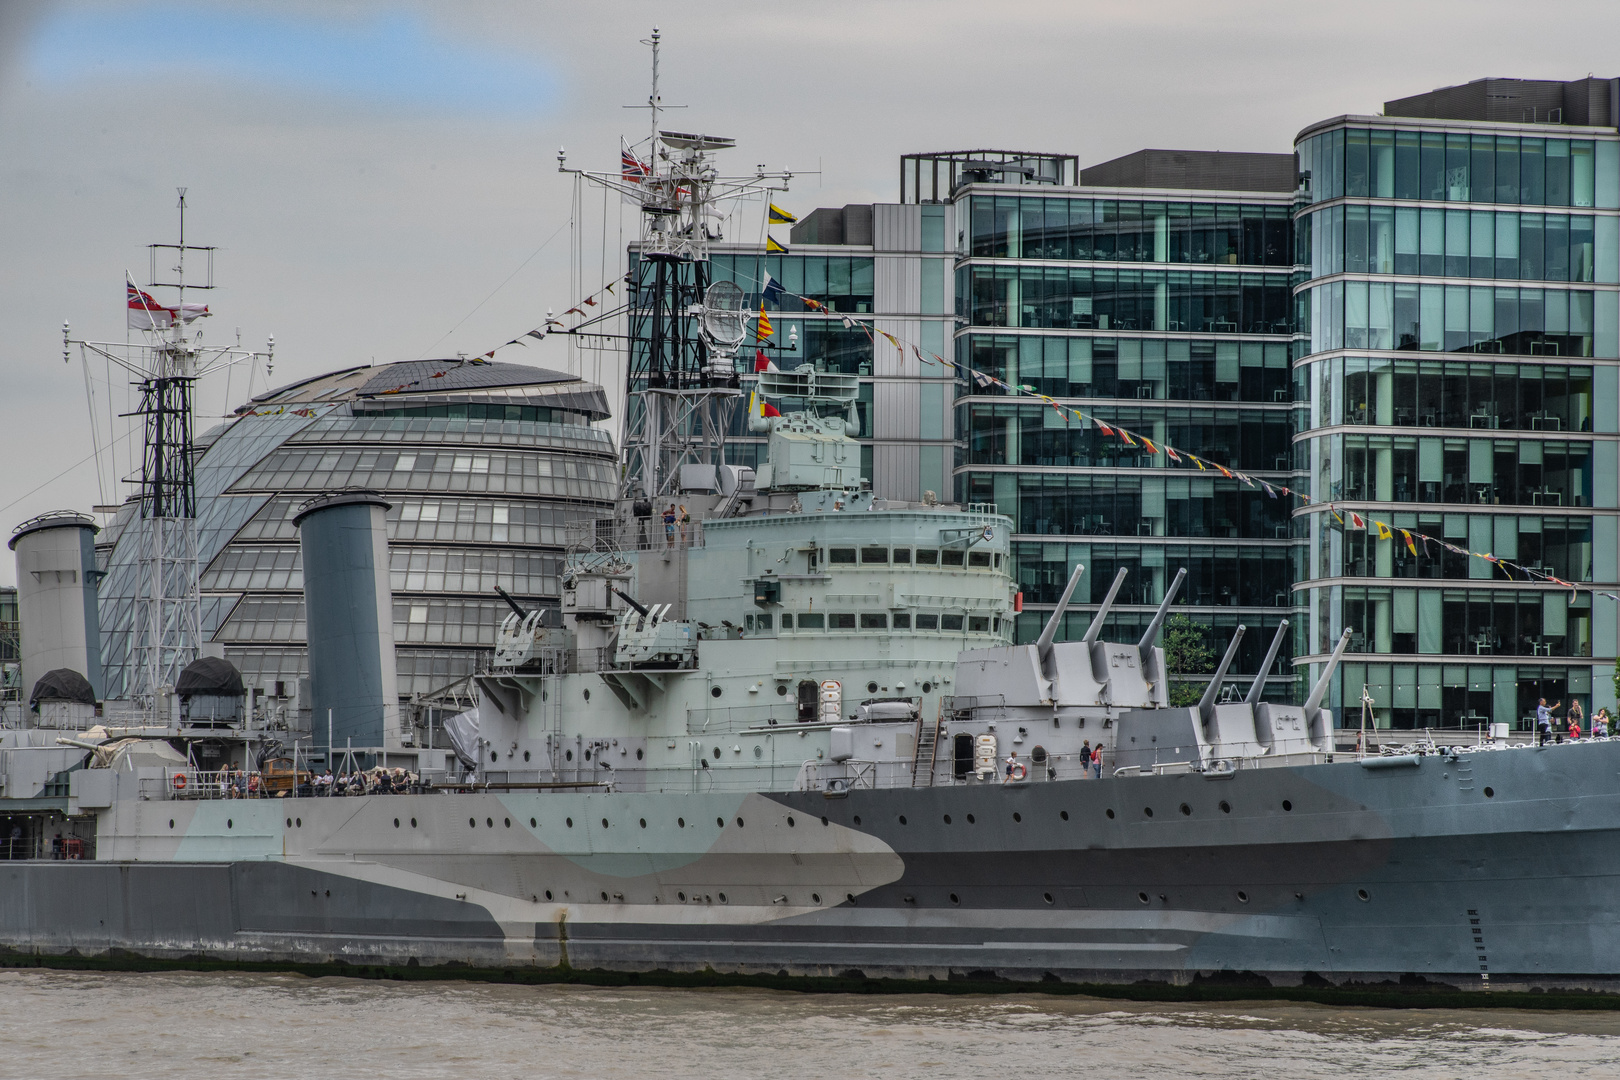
(927, 748)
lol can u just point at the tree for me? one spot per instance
(1187, 652)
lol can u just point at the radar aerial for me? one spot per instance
(725, 320)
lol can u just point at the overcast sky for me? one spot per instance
(379, 177)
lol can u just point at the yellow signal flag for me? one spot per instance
(764, 329)
(772, 247)
(779, 216)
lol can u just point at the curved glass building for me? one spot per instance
(1461, 305)
(485, 465)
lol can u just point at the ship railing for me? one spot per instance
(836, 777)
(190, 783)
(738, 718)
(609, 537)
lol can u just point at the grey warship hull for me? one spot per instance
(1491, 868)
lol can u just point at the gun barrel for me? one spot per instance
(1102, 613)
(1164, 609)
(1259, 683)
(632, 601)
(1208, 700)
(1043, 644)
(511, 603)
(1319, 691)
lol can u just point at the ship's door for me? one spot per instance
(809, 698)
(962, 755)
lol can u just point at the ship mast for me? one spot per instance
(682, 386)
(164, 364)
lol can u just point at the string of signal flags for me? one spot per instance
(1417, 544)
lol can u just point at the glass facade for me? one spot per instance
(1459, 326)
(1055, 298)
(485, 484)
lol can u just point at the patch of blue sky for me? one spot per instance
(391, 59)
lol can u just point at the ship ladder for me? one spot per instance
(927, 749)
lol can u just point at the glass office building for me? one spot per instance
(486, 465)
(1154, 294)
(1462, 323)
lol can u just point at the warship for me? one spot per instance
(781, 725)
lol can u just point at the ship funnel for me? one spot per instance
(1164, 609)
(1102, 613)
(1043, 644)
(1207, 702)
(1265, 668)
(1314, 702)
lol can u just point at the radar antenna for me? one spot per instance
(682, 388)
(164, 362)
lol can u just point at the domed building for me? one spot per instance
(485, 465)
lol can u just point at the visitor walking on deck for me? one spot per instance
(1544, 721)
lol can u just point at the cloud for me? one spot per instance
(393, 58)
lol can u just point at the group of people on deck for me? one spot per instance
(1601, 723)
(1091, 763)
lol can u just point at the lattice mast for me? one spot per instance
(682, 386)
(165, 360)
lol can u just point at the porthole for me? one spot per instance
(722, 897)
(643, 823)
(1186, 811)
(532, 823)
(229, 824)
(1490, 793)
(1287, 805)
(1017, 816)
(604, 823)
(300, 822)
(508, 822)
(1243, 897)
(638, 753)
(824, 820)
(739, 823)
(902, 819)
(171, 823)
(525, 755)
(947, 819)
(971, 819)
(720, 821)
(857, 819)
(494, 755)
(955, 899)
(569, 755)
(927, 686)
(1110, 814)
(681, 822)
(413, 823)
(871, 688)
(472, 823)
(587, 755)
(1142, 896)
(1226, 807)
(1147, 811)
(396, 823)
(849, 898)
(587, 695)
(289, 823)
(714, 691)
(1047, 897)
(717, 753)
(781, 690)
(790, 821)
(489, 822)
(681, 896)
(815, 898)
(1361, 894)
(569, 822)
(1064, 814)
(548, 894)
(604, 898)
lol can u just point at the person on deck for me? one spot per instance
(1544, 721)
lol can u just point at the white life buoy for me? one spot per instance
(1018, 771)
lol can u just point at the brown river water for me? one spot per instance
(176, 1026)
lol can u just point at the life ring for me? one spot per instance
(1018, 771)
(179, 781)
